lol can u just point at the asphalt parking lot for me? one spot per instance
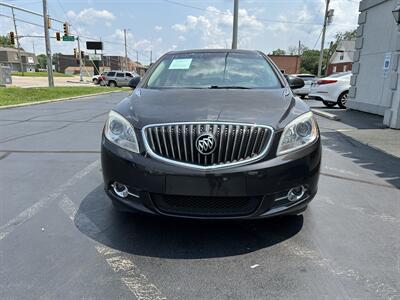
(61, 239)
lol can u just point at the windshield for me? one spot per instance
(214, 70)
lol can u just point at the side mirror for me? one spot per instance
(294, 82)
(134, 82)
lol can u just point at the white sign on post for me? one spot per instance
(95, 56)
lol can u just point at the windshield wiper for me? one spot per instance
(228, 87)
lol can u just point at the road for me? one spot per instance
(61, 239)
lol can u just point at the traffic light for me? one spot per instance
(82, 54)
(12, 38)
(58, 36)
(66, 28)
(75, 54)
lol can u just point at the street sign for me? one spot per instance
(94, 45)
(68, 38)
(94, 57)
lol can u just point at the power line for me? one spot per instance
(229, 14)
(24, 21)
(316, 42)
(27, 11)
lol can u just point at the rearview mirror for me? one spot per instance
(294, 82)
(134, 82)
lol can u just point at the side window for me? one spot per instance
(128, 75)
(111, 74)
(120, 74)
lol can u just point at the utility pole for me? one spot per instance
(48, 49)
(80, 59)
(126, 52)
(18, 45)
(321, 54)
(235, 24)
(299, 50)
(137, 56)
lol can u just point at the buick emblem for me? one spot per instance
(206, 143)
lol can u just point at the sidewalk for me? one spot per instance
(27, 81)
(363, 127)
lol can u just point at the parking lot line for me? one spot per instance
(30, 212)
(381, 289)
(129, 273)
(361, 210)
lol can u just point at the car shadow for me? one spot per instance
(172, 238)
(384, 165)
(353, 118)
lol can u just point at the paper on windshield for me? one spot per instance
(180, 64)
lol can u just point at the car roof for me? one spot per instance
(213, 51)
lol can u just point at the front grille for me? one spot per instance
(234, 143)
(202, 206)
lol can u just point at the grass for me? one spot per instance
(40, 74)
(17, 95)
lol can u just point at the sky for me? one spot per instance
(159, 26)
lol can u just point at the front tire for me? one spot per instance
(342, 100)
(328, 104)
(112, 84)
(95, 81)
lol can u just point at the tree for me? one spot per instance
(310, 59)
(42, 61)
(278, 52)
(346, 36)
(5, 41)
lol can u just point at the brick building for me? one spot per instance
(289, 64)
(9, 57)
(62, 62)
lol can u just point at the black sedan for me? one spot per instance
(212, 134)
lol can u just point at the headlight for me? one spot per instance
(120, 132)
(297, 134)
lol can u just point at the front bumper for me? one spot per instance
(263, 184)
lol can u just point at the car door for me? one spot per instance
(120, 78)
(128, 77)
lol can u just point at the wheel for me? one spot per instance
(95, 81)
(112, 84)
(329, 104)
(102, 83)
(342, 100)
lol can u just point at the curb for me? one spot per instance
(325, 114)
(57, 100)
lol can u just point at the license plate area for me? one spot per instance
(205, 186)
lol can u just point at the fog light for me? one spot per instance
(120, 189)
(296, 193)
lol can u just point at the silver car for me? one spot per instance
(305, 90)
(119, 78)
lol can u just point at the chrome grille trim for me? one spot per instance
(238, 135)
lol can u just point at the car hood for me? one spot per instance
(265, 107)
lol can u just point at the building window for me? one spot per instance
(341, 57)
